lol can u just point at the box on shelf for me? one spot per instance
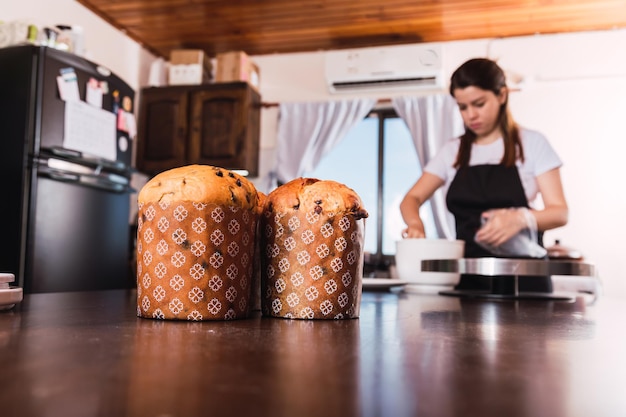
(237, 66)
(189, 66)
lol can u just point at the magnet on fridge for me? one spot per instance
(131, 124)
(116, 101)
(122, 143)
(121, 121)
(127, 104)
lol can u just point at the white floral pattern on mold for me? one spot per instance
(341, 244)
(316, 271)
(293, 223)
(148, 235)
(283, 265)
(232, 272)
(147, 258)
(322, 250)
(198, 248)
(184, 253)
(176, 306)
(177, 282)
(233, 249)
(290, 243)
(163, 224)
(217, 237)
(159, 293)
(180, 213)
(218, 215)
(327, 230)
(178, 259)
(160, 270)
(179, 236)
(150, 213)
(199, 225)
(303, 257)
(196, 295)
(233, 227)
(162, 247)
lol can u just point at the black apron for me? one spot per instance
(476, 189)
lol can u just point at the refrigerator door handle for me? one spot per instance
(73, 155)
(106, 185)
(92, 181)
(65, 153)
(63, 176)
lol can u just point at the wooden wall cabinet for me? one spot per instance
(210, 124)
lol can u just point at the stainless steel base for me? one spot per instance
(509, 266)
(500, 267)
(519, 296)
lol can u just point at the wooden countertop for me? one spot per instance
(87, 354)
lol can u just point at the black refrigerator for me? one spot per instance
(65, 169)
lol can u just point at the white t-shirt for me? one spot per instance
(539, 157)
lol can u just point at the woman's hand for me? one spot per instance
(501, 225)
(414, 230)
(421, 191)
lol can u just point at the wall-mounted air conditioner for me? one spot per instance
(404, 67)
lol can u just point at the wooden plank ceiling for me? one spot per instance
(262, 27)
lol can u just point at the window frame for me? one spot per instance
(379, 261)
(376, 262)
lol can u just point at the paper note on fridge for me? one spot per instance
(90, 130)
(67, 84)
(93, 93)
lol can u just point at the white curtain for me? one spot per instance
(432, 121)
(308, 131)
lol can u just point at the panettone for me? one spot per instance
(196, 244)
(200, 183)
(312, 250)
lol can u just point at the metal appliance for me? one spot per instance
(64, 215)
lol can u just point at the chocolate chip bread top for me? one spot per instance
(322, 196)
(201, 183)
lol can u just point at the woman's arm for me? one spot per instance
(423, 189)
(503, 224)
(555, 213)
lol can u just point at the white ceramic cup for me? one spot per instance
(411, 252)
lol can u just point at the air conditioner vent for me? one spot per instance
(395, 82)
(394, 67)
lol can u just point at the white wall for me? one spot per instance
(103, 43)
(574, 91)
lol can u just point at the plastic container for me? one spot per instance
(411, 252)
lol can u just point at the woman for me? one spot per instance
(491, 174)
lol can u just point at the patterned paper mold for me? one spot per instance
(311, 262)
(195, 261)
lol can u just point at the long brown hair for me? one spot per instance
(487, 75)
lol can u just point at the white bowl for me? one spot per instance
(411, 252)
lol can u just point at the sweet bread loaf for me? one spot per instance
(196, 243)
(311, 236)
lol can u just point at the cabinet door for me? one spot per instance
(224, 128)
(163, 129)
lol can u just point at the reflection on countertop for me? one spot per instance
(84, 354)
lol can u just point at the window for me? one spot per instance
(377, 159)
